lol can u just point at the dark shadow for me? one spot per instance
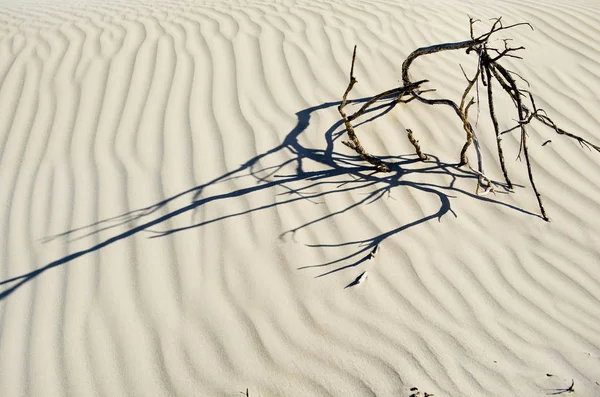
(337, 173)
(569, 389)
(357, 280)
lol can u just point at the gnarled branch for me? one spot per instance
(489, 71)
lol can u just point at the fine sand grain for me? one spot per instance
(179, 216)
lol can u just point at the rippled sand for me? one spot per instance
(180, 217)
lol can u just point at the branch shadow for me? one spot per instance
(337, 173)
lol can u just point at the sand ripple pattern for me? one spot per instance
(180, 217)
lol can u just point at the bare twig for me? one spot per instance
(354, 142)
(464, 116)
(495, 125)
(416, 145)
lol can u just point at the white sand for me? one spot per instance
(173, 223)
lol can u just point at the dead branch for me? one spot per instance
(489, 71)
(549, 123)
(482, 182)
(490, 96)
(515, 93)
(354, 142)
(432, 50)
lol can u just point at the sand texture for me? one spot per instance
(179, 216)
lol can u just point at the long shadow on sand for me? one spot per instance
(337, 173)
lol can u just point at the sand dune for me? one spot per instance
(180, 218)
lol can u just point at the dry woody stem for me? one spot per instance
(490, 73)
(416, 145)
(354, 142)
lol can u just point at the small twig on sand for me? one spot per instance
(569, 389)
(416, 145)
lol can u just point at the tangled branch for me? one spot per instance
(490, 72)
